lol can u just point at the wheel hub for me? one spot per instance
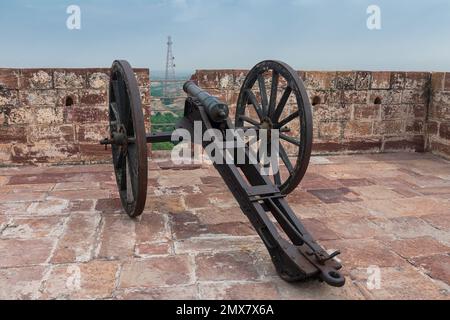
(266, 124)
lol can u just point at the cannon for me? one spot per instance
(272, 97)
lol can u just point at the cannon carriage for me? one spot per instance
(262, 105)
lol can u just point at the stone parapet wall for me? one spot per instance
(438, 125)
(57, 115)
(353, 111)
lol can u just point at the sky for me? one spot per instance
(212, 34)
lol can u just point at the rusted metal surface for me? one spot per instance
(294, 252)
(127, 138)
(269, 115)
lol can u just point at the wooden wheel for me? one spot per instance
(128, 138)
(274, 97)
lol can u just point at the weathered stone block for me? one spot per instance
(92, 280)
(76, 245)
(24, 252)
(345, 81)
(363, 80)
(357, 129)
(34, 98)
(330, 130)
(389, 111)
(21, 283)
(440, 148)
(432, 127)
(225, 266)
(142, 77)
(418, 111)
(89, 98)
(70, 78)
(398, 80)
(415, 126)
(389, 127)
(437, 81)
(239, 291)
(436, 266)
(88, 114)
(49, 115)
(414, 143)
(447, 82)
(381, 80)
(92, 132)
(444, 130)
(334, 112)
(9, 79)
(13, 134)
(214, 79)
(414, 97)
(18, 115)
(319, 80)
(51, 134)
(157, 272)
(43, 153)
(352, 97)
(8, 97)
(94, 152)
(417, 80)
(366, 112)
(416, 247)
(385, 97)
(117, 238)
(98, 80)
(36, 79)
(145, 95)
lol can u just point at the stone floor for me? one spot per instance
(62, 234)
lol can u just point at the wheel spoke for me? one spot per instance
(254, 102)
(290, 139)
(277, 178)
(288, 119)
(273, 93)
(121, 172)
(249, 120)
(284, 156)
(116, 89)
(121, 108)
(120, 159)
(113, 106)
(262, 90)
(130, 193)
(132, 172)
(281, 104)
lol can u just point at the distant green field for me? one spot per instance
(164, 122)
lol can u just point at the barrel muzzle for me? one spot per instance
(217, 111)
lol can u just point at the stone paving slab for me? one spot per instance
(63, 235)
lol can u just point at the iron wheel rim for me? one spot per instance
(296, 87)
(126, 118)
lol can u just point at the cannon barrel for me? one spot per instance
(216, 110)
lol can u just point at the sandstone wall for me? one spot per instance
(438, 126)
(353, 111)
(56, 115)
(59, 115)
